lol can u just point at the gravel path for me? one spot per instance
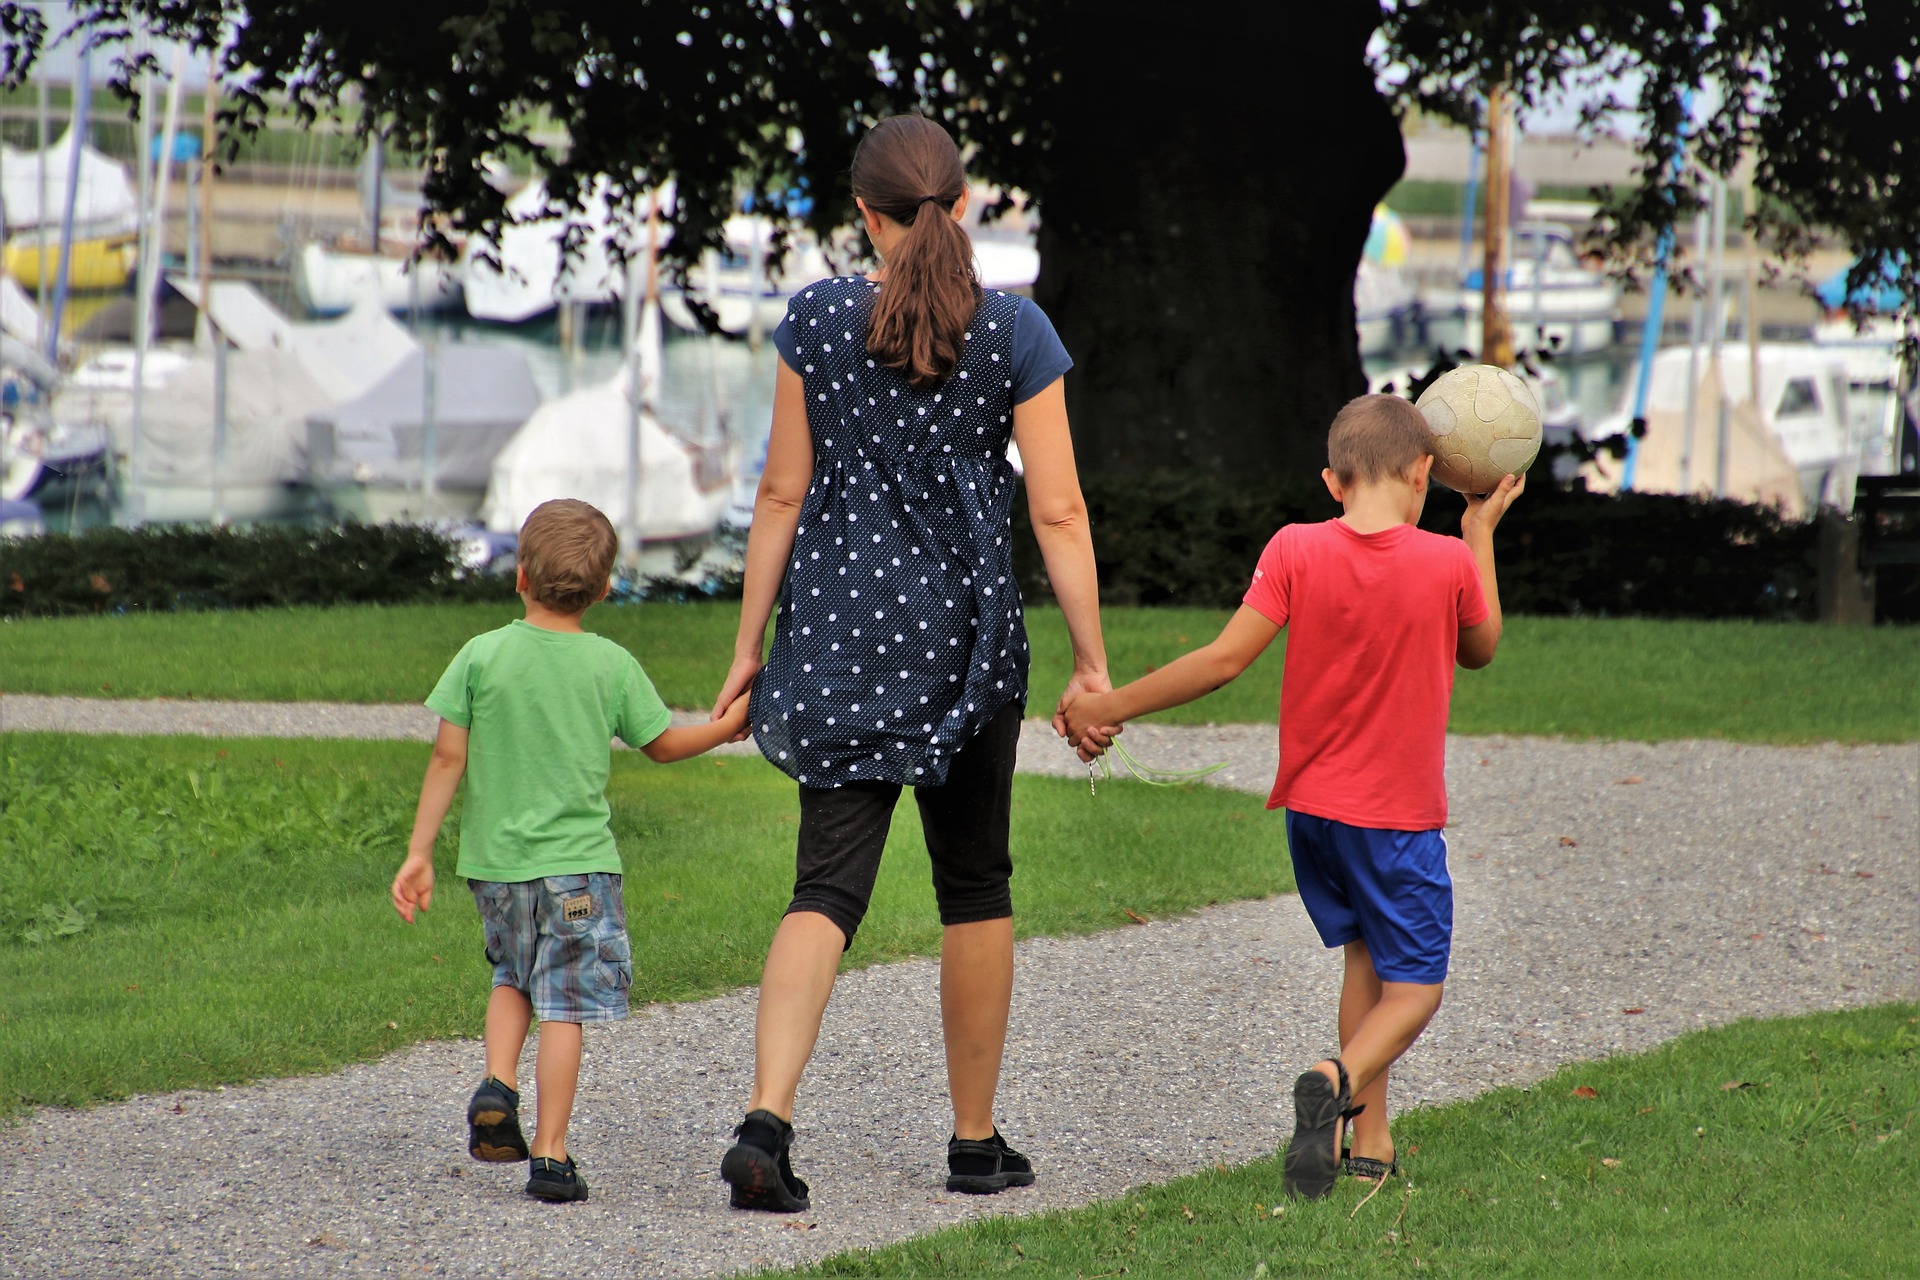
(1693, 883)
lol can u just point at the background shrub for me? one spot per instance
(1175, 539)
(168, 567)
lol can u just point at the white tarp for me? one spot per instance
(19, 314)
(344, 356)
(531, 279)
(104, 200)
(269, 396)
(482, 396)
(577, 446)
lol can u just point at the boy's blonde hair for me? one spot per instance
(1376, 438)
(567, 548)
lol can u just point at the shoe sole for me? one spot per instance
(986, 1184)
(755, 1177)
(494, 1137)
(556, 1193)
(1311, 1165)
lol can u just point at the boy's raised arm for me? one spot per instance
(1193, 675)
(1477, 643)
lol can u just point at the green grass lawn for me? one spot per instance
(1780, 1148)
(183, 912)
(1578, 677)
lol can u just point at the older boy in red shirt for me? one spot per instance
(1378, 612)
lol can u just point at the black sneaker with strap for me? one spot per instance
(1312, 1161)
(555, 1179)
(493, 1124)
(979, 1167)
(758, 1168)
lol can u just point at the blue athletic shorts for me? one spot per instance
(1388, 889)
(562, 941)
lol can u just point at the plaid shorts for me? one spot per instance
(562, 941)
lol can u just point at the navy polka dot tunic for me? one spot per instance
(900, 631)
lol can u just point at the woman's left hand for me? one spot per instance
(739, 680)
(1095, 741)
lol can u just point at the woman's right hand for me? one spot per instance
(739, 680)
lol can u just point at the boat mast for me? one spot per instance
(40, 217)
(208, 102)
(77, 136)
(1716, 309)
(1496, 337)
(148, 270)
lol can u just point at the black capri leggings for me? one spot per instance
(843, 831)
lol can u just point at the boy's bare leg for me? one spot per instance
(801, 966)
(1386, 1031)
(509, 1014)
(556, 1075)
(976, 993)
(1359, 993)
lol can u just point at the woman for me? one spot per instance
(900, 655)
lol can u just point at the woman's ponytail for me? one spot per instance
(908, 169)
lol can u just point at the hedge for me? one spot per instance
(1161, 540)
(1181, 540)
(169, 567)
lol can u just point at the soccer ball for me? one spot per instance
(1486, 424)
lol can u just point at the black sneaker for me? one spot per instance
(758, 1168)
(493, 1124)
(555, 1179)
(981, 1168)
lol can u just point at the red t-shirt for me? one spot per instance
(1373, 625)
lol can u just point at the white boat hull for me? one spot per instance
(401, 504)
(195, 504)
(1566, 335)
(331, 281)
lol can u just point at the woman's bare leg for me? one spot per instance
(801, 966)
(976, 994)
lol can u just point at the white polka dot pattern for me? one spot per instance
(900, 631)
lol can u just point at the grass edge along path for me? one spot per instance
(210, 911)
(1618, 678)
(1779, 1147)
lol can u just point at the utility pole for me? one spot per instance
(1496, 335)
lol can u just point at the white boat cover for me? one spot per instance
(345, 356)
(269, 397)
(482, 396)
(19, 314)
(104, 200)
(577, 446)
(530, 279)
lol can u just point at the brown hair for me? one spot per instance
(903, 165)
(1376, 438)
(567, 548)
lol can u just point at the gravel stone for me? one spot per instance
(1610, 896)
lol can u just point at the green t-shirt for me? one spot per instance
(541, 709)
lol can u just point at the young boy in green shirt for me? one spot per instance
(528, 712)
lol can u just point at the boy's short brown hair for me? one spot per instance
(567, 548)
(1376, 438)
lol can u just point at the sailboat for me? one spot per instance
(34, 191)
(526, 278)
(1778, 433)
(222, 428)
(1553, 302)
(331, 276)
(586, 445)
(369, 457)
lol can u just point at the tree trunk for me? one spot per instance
(1206, 195)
